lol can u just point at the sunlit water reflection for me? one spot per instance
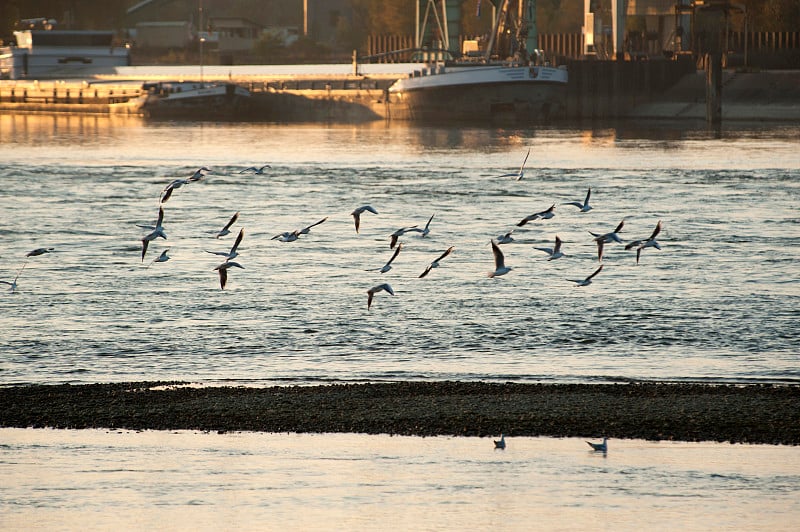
(719, 302)
(99, 480)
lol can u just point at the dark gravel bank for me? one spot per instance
(652, 411)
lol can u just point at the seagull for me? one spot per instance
(39, 251)
(232, 254)
(584, 207)
(600, 447)
(388, 266)
(649, 243)
(158, 231)
(375, 289)
(506, 238)
(307, 229)
(356, 214)
(286, 236)
(588, 280)
(256, 171)
(544, 215)
(501, 443)
(223, 271)
(199, 174)
(607, 238)
(13, 284)
(401, 232)
(435, 263)
(175, 184)
(161, 258)
(555, 252)
(519, 175)
(427, 230)
(500, 267)
(226, 230)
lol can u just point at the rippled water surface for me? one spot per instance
(720, 301)
(98, 480)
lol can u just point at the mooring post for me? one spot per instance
(713, 88)
(355, 62)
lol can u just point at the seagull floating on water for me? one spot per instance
(544, 215)
(375, 289)
(435, 263)
(226, 230)
(506, 238)
(555, 252)
(158, 231)
(588, 280)
(584, 207)
(39, 251)
(500, 267)
(649, 243)
(223, 271)
(607, 238)
(600, 447)
(233, 253)
(256, 171)
(501, 443)
(519, 175)
(356, 214)
(388, 266)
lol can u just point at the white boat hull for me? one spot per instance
(480, 93)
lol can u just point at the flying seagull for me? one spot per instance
(601, 447)
(307, 229)
(555, 252)
(519, 175)
(256, 171)
(158, 231)
(39, 251)
(171, 187)
(356, 214)
(223, 272)
(427, 229)
(375, 289)
(588, 280)
(544, 215)
(506, 238)
(13, 284)
(435, 263)
(233, 253)
(607, 238)
(227, 229)
(400, 232)
(649, 243)
(388, 266)
(584, 207)
(161, 258)
(199, 174)
(500, 267)
(501, 443)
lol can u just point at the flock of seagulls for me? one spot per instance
(501, 268)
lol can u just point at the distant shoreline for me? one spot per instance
(756, 414)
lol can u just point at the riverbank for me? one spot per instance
(762, 414)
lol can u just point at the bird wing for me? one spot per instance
(546, 250)
(499, 259)
(426, 272)
(446, 253)
(231, 222)
(396, 253)
(369, 298)
(557, 248)
(619, 227)
(145, 243)
(356, 219)
(223, 277)
(595, 272)
(429, 221)
(370, 209)
(521, 168)
(238, 241)
(588, 195)
(656, 231)
(160, 216)
(600, 249)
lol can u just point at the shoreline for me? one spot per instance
(755, 414)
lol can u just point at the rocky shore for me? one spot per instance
(653, 411)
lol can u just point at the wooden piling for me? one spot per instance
(713, 88)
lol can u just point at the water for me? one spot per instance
(99, 480)
(718, 303)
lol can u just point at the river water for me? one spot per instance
(720, 302)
